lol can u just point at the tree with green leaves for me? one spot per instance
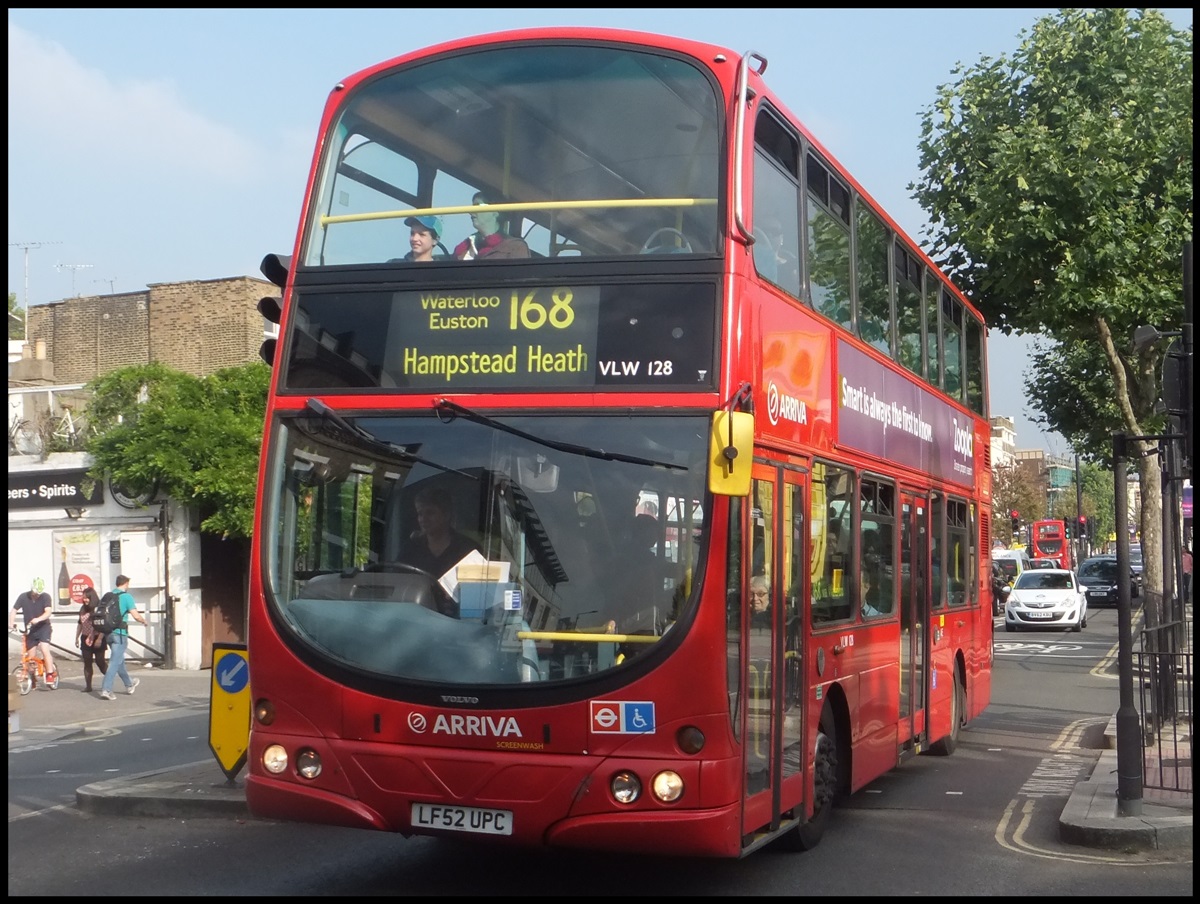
(16, 318)
(197, 439)
(1013, 489)
(1058, 182)
(1096, 486)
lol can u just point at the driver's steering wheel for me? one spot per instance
(649, 247)
(438, 600)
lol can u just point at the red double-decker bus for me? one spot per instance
(1048, 540)
(652, 512)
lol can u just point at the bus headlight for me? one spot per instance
(308, 763)
(626, 787)
(667, 786)
(275, 759)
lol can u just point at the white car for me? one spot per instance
(1046, 598)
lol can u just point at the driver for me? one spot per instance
(436, 546)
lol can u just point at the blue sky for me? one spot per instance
(160, 145)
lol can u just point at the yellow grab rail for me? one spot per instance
(518, 205)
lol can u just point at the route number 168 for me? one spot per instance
(531, 314)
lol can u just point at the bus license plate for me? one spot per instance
(462, 819)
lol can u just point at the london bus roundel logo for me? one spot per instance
(607, 717)
(417, 722)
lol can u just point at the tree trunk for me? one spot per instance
(1150, 522)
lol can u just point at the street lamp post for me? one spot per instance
(1129, 737)
(1080, 545)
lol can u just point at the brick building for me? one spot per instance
(195, 327)
(73, 533)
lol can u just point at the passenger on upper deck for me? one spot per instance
(774, 254)
(489, 239)
(425, 234)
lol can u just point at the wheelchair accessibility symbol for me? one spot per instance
(622, 717)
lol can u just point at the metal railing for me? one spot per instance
(1164, 665)
(139, 653)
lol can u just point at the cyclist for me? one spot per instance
(34, 605)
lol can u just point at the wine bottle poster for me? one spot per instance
(76, 558)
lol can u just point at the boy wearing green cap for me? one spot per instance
(34, 606)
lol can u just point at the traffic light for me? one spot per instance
(274, 267)
(1016, 522)
(1083, 528)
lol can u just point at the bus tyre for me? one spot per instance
(949, 744)
(807, 835)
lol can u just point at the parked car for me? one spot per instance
(1046, 598)
(1098, 575)
(1000, 590)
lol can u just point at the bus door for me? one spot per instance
(914, 622)
(774, 584)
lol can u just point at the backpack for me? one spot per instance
(107, 617)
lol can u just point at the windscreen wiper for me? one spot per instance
(445, 406)
(365, 437)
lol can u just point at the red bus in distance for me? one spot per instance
(651, 513)
(1048, 540)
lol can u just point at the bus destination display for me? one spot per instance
(653, 336)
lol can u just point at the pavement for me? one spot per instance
(1091, 817)
(191, 789)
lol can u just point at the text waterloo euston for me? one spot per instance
(531, 313)
(537, 337)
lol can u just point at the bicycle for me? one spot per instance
(32, 668)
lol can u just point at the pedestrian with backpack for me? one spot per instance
(118, 641)
(89, 640)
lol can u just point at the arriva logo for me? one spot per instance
(470, 726)
(781, 406)
(964, 441)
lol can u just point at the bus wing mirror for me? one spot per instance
(730, 453)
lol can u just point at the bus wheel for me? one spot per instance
(949, 744)
(807, 835)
